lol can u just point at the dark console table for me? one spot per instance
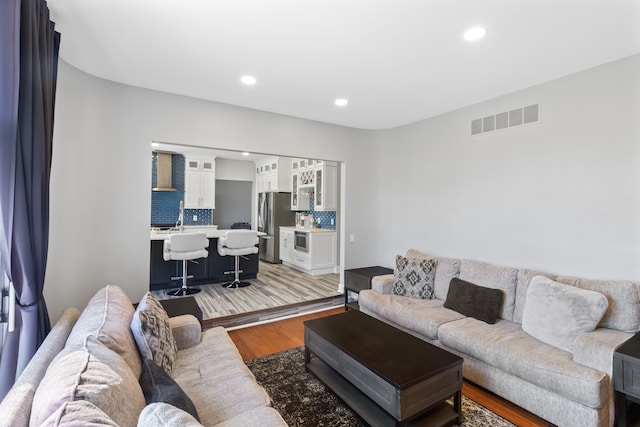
(358, 279)
(626, 377)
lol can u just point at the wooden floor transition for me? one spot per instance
(262, 340)
(278, 291)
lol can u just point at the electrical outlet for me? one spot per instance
(195, 217)
(352, 237)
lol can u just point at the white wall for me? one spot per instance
(562, 195)
(235, 170)
(101, 176)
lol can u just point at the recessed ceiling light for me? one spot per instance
(248, 80)
(475, 33)
(341, 102)
(244, 153)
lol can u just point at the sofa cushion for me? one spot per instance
(262, 416)
(474, 301)
(556, 314)
(217, 380)
(523, 279)
(623, 313)
(491, 276)
(107, 317)
(421, 316)
(446, 269)
(158, 386)
(164, 414)
(78, 413)
(413, 277)
(504, 345)
(94, 374)
(152, 332)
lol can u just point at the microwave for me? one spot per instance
(301, 241)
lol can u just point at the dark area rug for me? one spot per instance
(302, 400)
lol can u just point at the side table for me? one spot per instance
(183, 305)
(358, 279)
(626, 377)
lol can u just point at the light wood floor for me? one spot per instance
(277, 291)
(262, 340)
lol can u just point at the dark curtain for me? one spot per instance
(28, 63)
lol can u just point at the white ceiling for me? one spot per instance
(397, 61)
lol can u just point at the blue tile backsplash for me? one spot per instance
(324, 217)
(165, 205)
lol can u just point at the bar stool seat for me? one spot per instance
(238, 243)
(185, 247)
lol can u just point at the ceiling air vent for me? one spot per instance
(508, 119)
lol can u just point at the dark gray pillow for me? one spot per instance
(158, 386)
(474, 301)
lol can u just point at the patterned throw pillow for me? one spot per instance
(151, 329)
(414, 277)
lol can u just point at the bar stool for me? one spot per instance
(185, 247)
(238, 243)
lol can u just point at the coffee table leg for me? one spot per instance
(457, 403)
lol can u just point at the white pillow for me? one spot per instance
(163, 414)
(556, 314)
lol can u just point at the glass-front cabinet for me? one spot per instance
(326, 187)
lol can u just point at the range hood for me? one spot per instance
(164, 169)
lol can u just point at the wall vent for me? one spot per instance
(508, 119)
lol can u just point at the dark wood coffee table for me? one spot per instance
(387, 376)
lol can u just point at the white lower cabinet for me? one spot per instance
(287, 250)
(320, 257)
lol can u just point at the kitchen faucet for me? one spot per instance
(180, 218)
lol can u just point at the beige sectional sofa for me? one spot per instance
(568, 383)
(87, 371)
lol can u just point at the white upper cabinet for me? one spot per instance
(326, 187)
(318, 177)
(273, 174)
(200, 183)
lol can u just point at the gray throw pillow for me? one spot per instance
(413, 277)
(556, 314)
(152, 332)
(474, 301)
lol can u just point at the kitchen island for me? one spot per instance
(310, 250)
(213, 269)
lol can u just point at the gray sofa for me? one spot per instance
(95, 365)
(569, 386)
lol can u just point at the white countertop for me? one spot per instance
(211, 231)
(310, 230)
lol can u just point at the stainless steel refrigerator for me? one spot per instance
(274, 211)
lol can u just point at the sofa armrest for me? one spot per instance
(186, 330)
(16, 406)
(382, 284)
(595, 349)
